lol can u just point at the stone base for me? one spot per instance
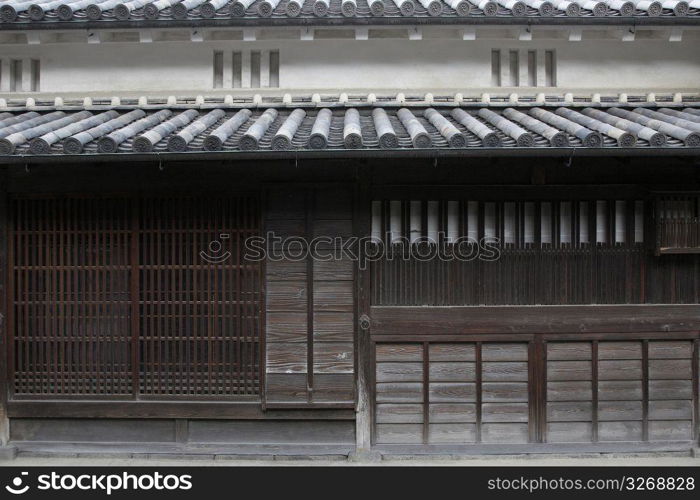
(695, 452)
(8, 452)
(361, 455)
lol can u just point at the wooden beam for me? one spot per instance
(362, 227)
(5, 332)
(169, 409)
(433, 321)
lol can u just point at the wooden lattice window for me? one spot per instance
(677, 223)
(523, 252)
(114, 297)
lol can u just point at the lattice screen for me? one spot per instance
(118, 297)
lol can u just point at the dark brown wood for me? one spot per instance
(6, 311)
(111, 303)
(433, 321)
(696, 388)
(594, 389)
(168, 409)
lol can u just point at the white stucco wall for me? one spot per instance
(371, 65)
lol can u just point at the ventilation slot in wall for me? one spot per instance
(531, 68)
(20, 75)
(246, 69)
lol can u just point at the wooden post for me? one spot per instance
(363, 423)
(6, 451)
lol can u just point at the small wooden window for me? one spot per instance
(677, 223)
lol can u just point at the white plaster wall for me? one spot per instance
(372, 65)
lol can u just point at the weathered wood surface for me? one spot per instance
(433, 321)
(310, 302)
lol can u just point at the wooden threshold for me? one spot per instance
(169, 409)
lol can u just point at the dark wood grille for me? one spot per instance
(677, 224)
(129, 297)
(548, 252)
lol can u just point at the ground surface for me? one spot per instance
(535, 461)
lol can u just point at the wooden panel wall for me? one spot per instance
(452, 393)
(620, 391)
(310, 300)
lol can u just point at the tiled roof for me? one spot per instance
(228, 130)
(33, 12)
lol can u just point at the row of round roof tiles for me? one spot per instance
(62, 10)
(245, 130)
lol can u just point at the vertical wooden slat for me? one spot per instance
(594, 388)
(645, 390)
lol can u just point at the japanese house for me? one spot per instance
(281, 227)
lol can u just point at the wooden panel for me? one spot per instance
(333, 357)
(399, 352)
(452, 372)
(334, 387)
(452, 392)
(568, 351)
(286, 327)
(452, 352)
(504, 352)
(399, 433)
(399, 413)
(620, 410)
(669, 349)
(507, 392)
(620, 390)
(452, 412)
(505, 412)
(451, 433)
(286, 358)
(399, 392)
(569, 391)
(286, 296)
(334, 327)
(333, 296)
(620, 431)
(286, 387)
(627, 369)
(399, 372)
(568, 370)
(671, 410)
(571, 411)
(669, 369)
(334, 270)
(285, 270)
(670, 389)
(505, 372)
(569, 432)
(505, 433)
(673, 430)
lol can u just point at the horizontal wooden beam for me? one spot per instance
(167, 409)
(432, 321)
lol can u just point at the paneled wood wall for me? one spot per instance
(310, 300)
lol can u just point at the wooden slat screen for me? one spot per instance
(115, 297)
(549, 252)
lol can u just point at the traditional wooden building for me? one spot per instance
(280, 227)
